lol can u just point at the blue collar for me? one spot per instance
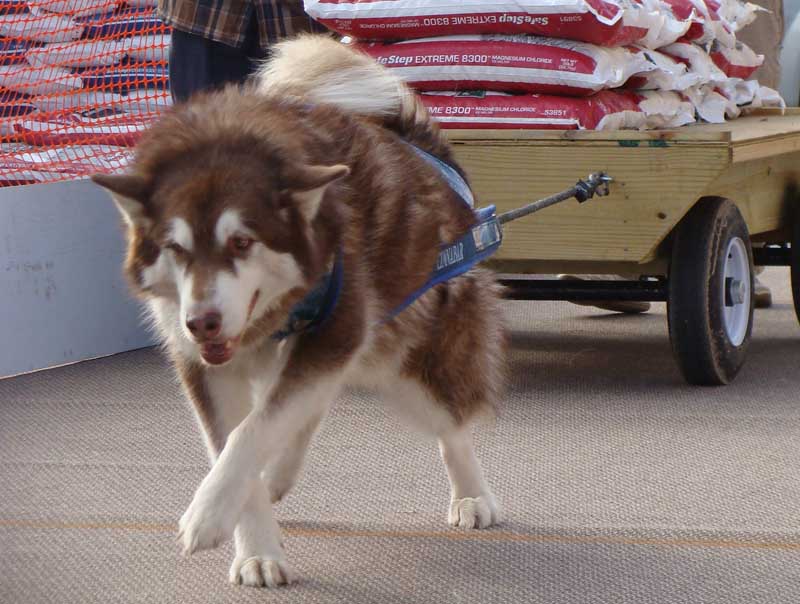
(318, 305)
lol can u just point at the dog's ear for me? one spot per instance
(311, 182)
(130, 192)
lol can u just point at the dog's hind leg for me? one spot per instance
(451, 374)
(472, 503)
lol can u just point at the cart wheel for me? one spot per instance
(710, 308)
(796, 261)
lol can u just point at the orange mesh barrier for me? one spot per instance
(79, 81)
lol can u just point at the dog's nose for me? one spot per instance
(206, 327)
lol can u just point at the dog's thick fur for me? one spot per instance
(236, 205)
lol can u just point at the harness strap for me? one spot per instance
(480, 242)
(455, 259)
(451, 176)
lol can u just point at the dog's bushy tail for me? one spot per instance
(318, 69)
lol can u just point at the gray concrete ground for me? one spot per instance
(620, 483)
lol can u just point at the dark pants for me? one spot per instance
(197, 63)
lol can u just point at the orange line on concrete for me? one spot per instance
(454, 535)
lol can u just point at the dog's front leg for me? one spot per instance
(260, 559)
(222, 399)
(259, 439)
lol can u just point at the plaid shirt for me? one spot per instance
(226, 21)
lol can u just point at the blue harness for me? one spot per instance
(480, 242)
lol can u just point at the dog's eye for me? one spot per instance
(239, 244)
(177, 248)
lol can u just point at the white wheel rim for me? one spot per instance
(736, 291)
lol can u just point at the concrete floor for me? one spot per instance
(619, 482)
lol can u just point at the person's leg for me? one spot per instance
(197, 63)
(763, 295)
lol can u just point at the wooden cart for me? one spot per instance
(691, 211)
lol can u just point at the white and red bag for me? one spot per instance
(146, 100)
(768, 97)
(603, 22)
(749, 93)
(34, 80)
(151, 48)
(13, 108)
(74, 8)
(714, 27)
(668, 74)
(606, 110)
(509, 64)
(76, 100)
(40, 28)
(14, 173)
(117, 130)
(685, 11)
(670, 27)
(81, 53)
(666, 109)
(701, 30)
(710, 105)
(741, 61)
(29, 165)
(738, 14)
(697, 60)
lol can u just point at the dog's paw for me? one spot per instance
(474, 512)
(204, 526)
(259, 571)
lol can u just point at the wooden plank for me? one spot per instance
(654, 187)
(686, 134)
(765, 134)
(632, 270)
(768, 127)
(765, 148)
(758, 188)
(581, 144)
(760, 127)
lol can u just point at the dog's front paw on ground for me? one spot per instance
(258, 571)
(204, 526)
(474, 512)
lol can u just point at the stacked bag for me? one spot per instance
(561, 64)
(80, 80)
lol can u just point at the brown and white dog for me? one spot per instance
(237, 204)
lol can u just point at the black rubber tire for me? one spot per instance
(705, 354)
(795, 267)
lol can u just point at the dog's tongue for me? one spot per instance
(217, 353)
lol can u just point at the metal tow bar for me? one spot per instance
(596, 184)
(527, 288)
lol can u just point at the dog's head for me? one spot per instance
(228, 225)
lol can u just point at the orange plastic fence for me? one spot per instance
(79, 81)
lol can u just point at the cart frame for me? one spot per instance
(672, 191)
